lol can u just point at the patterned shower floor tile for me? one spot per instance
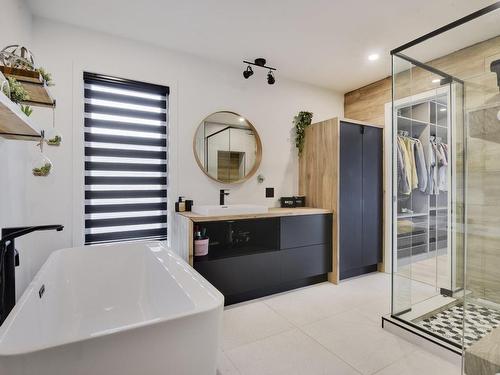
(448, 323)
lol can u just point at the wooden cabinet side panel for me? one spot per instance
(318, 176)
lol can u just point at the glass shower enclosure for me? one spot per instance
(445, 115)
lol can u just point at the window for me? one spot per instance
(125, 160)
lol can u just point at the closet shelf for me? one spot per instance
(14, 124)
(439, 126)
(33, 83)
(406, 122)
(402, 216)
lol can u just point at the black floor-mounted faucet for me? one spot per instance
(9, 260)
(222, 196)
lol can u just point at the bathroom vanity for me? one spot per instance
(254, 255)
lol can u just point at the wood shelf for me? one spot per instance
(33, 83)
(15, 123)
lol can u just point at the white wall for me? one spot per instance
(15, 28)
(198, 88)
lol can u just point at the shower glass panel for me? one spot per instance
(423, 190)
(446, 240)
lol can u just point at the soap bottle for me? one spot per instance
(201, 242)
(180, 205)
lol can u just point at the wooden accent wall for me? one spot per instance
(471, 64)
(367, 103)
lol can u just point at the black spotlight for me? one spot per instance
(248, 73)
(270, 78)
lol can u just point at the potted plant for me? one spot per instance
(301, 122)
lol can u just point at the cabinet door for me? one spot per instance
(372, 195)
(305, 230)
(236, 275)
(307, 261)
(351, 192)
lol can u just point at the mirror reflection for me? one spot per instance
(227, 147)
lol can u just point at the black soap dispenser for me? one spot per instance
(180, 205)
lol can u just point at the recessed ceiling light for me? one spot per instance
(437, 80)
(442, 109)
(373, 57)
(241, 119)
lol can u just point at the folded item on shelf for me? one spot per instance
(405, 226)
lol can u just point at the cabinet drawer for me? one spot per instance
(305, 230)
(307, 261)
(241, 274)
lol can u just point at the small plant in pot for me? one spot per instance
(44, 170)
(54, 141)
(301, 122)
(46, 76)
(27, 110)
(18, 93)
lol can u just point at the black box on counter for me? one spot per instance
(300, 201)
(287, 202)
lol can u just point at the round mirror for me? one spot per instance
(227, 147)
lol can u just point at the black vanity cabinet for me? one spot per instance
(251, 258)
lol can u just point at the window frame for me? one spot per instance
(77, 104)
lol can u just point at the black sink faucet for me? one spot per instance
(9, 260)
(222, 196)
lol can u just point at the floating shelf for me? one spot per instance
(14, 124)
(33, 83)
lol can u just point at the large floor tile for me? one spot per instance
(289, 353)
(246, 323)
(225, 366)
(311, 304)
(375, 308)
(359, 341)
(421, 362)
(374, 285)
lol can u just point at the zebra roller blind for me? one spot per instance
(125, 159)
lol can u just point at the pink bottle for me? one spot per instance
(200, 243)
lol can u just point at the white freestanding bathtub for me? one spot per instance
(121, 309)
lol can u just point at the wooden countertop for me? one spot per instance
(273, 212)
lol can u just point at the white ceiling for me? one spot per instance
(322, 42)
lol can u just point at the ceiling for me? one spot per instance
(321, 42)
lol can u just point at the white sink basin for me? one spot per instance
(230, 209)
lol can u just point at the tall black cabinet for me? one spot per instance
(360, 199)
(340, 169)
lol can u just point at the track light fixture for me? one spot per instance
(248, 73)
(261, 63)
(270, 78)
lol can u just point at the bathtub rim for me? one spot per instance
(216, 301)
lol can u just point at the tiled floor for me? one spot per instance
(323, 329)
(479, 322)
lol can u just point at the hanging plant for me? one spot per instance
(54, 141)
(43, 170)
(17, 92)
(41, 164)
(301, 122)
(46, 76)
